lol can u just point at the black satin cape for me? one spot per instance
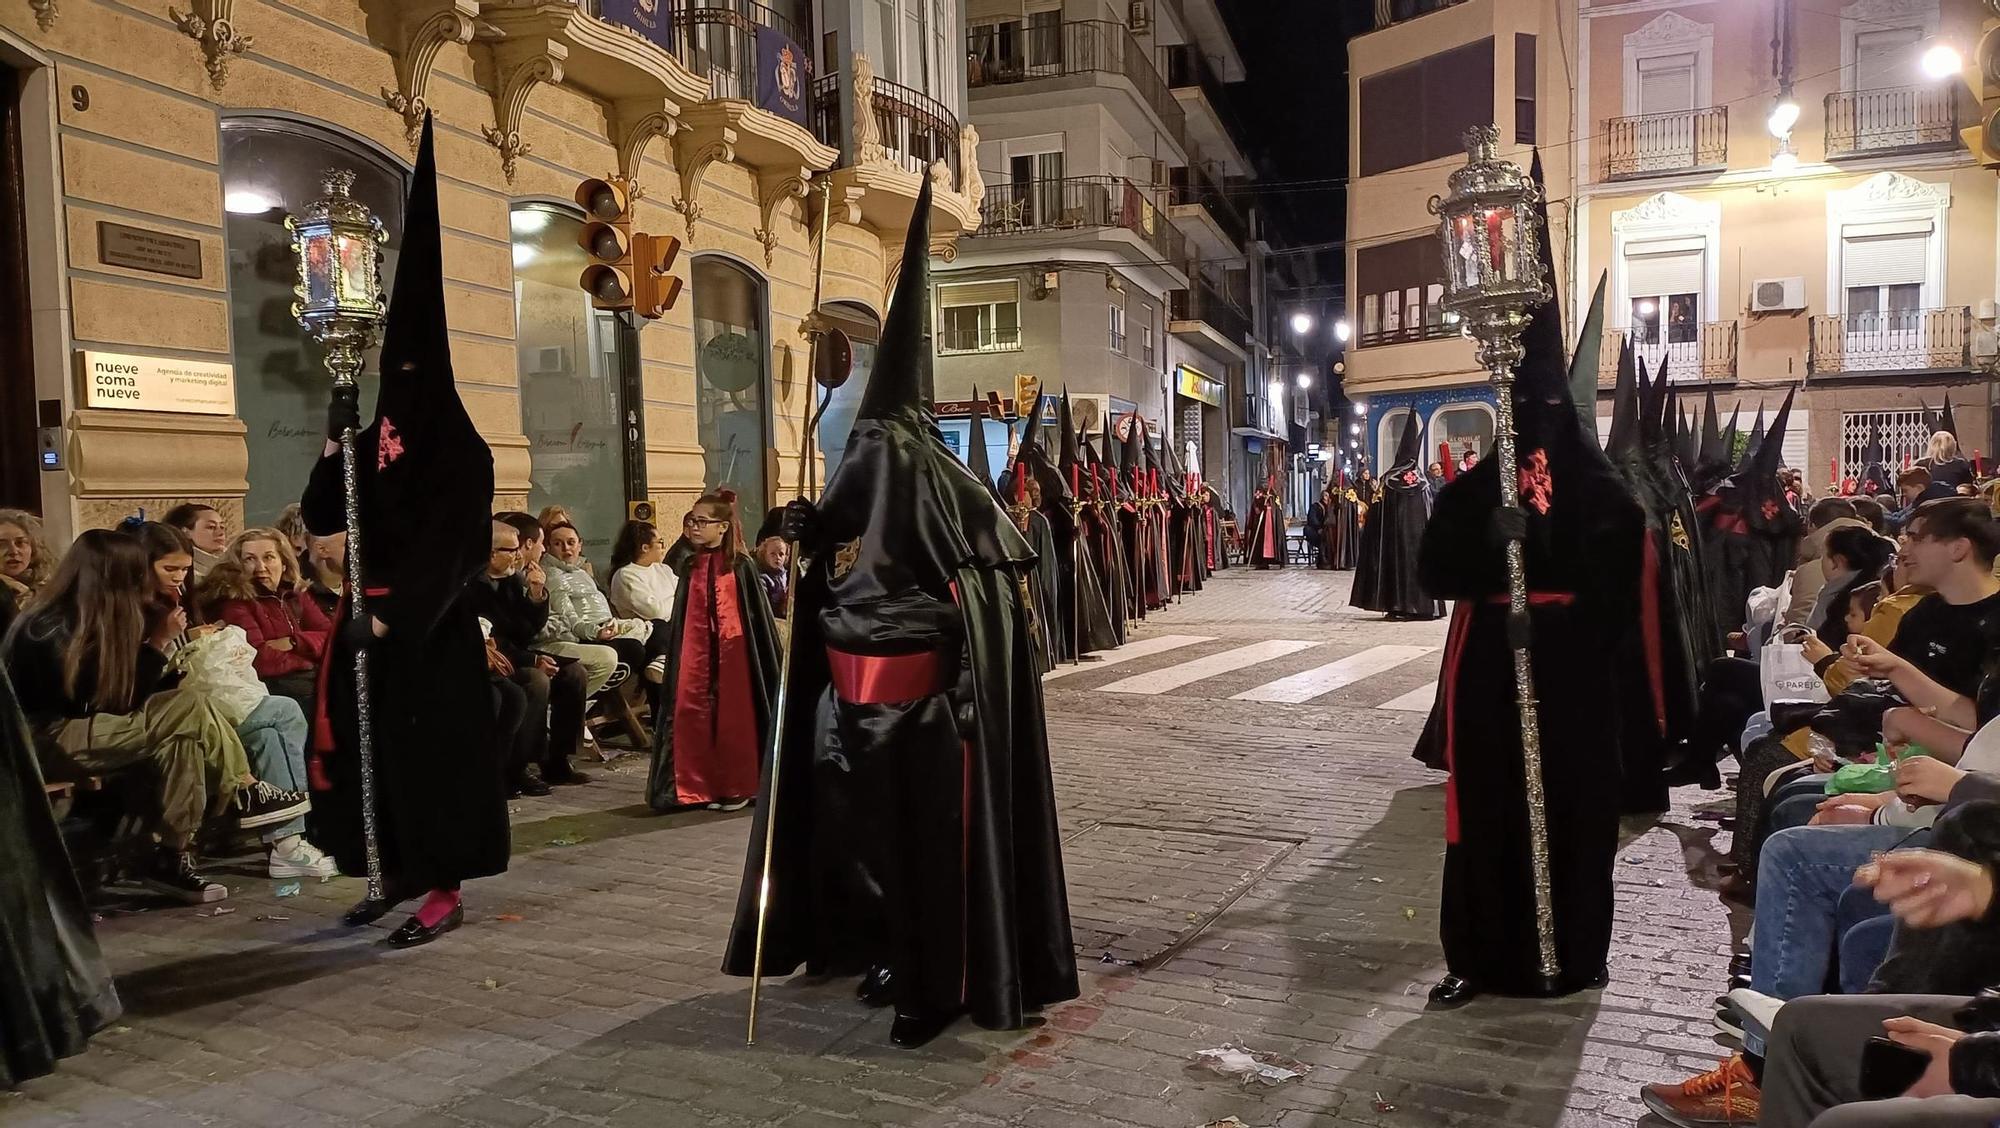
(1386, 576)
(760, 634)
(55, 991)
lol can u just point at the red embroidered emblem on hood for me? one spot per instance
(1536, 485)
(388, 444)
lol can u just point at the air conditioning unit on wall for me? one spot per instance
(1777, 295)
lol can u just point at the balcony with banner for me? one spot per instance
(1078, 211)
(1866, 123)
(1013, 67)
(1891, 340)
(1693, 353)
(1665, 143)
(891, 137)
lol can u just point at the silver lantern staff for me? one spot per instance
(338, 241)
(1490, 235)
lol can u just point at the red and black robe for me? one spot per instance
(713, 714)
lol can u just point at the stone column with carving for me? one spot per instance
(970, 184)
(867, 134)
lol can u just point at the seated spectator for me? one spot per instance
(599, 662)
(1869, 510)
(1949, 546)
(273, 734)
(293, 526)
(1808, 579)
(1913, 488)
(25, 562)
(256, 586)
(1948, 469)
(543, 698)
(553, 515)
(576, 604)
(87, 670)
(642, 586)
(206, 529)
(771, 554)
(325, 567)
(1853, 555)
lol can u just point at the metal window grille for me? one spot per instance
(1904, 434)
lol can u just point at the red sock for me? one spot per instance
(437, 906)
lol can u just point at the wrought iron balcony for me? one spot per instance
(1863, 122)
(1202, 303)
(1658, 144)
(1191, 184)
(1079, 203)
(1429, 326)
(1396, 11)
(1903, 340)
(718, 39)
(1023, 53)
(1692, 353)
(914, 129)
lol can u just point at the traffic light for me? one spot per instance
(655, 286)
(1983, 137)
(607, 239)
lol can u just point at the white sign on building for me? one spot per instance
(128, 382)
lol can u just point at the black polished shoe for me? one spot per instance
(913, 1030)
(1452, 991)
(878, 988)
(530, 782)
(412, 933)
(1739, 964)
(562, 775)
(368, 910)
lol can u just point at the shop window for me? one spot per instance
(1387, 435)
(864, 332)
(979, 316)
(1465, 426)
(567, 358)
(271, 169)
(732, 386)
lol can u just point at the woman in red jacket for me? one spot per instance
(257, 587)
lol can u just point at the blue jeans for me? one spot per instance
(274, 735)
(1863, 946)
(1800, 878)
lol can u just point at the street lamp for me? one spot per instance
(1302, 323)
(1274, 389)
(1305, 381)
(1360, 408)
(1941, 61)
(1784, 162)
(1342, 331)
(338, 242)
(1490, 236)
(1784, 113)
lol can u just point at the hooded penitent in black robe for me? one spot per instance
(426, 490)
(1107, 551)
(1081, 621)
(917, 819)
(55, 991)
(1343, 525)
(1385, 569)
(1145, 544)
(1582, 558)
(1751, 531)
(1044, 592)
(1660, 665)
(1183, 545)
(1267, 527)
(1097, 594)
(712, 714)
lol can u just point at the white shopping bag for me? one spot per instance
(222, 667)
(1786, 675)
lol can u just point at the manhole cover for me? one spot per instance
(1137, 893)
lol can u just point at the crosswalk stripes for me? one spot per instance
(1418, 700)
(1194, 670)
(1306, 685)
(1139, 648)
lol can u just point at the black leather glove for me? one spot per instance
(343, 412)
(1508, 525)
(800, 523)
(359, 632)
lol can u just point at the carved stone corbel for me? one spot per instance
(970, 184)
(636, 128)
(211, 24)
(45, 13)
(521, 66)
(419, 51)
(773, 189)
(693, 164)
(868, 146)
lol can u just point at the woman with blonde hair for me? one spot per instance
(25, 562)
(1947, 467)
(257, 586)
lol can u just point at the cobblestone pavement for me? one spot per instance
(1262, 870)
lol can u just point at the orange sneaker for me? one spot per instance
(1723, 1097)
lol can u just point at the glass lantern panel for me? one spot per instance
(357, 269)
(270, 169)
(318, 270)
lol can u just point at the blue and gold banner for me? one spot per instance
(653, 19)
(784, 77)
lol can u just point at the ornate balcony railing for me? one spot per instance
(718, 38)
(1077, 203)
(1052, 50)
(1901, 118)
(1396, 11)
(1202, 302)
(1904, 340)
(1656, 144)
(1705, 351)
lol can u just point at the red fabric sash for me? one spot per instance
(322, 724)
(1649, 628)
(716, 740)
(883, 679)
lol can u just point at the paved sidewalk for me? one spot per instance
(1238, 870)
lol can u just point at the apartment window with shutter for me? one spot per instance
(1663, 283)
(979, 316)
(1420, 111)
(1146, 336)
(1666, 84)
(1882, 271)
(1524, 89)
(1117, 328)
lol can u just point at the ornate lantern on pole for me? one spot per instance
(338, 242)
(1490, 231)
